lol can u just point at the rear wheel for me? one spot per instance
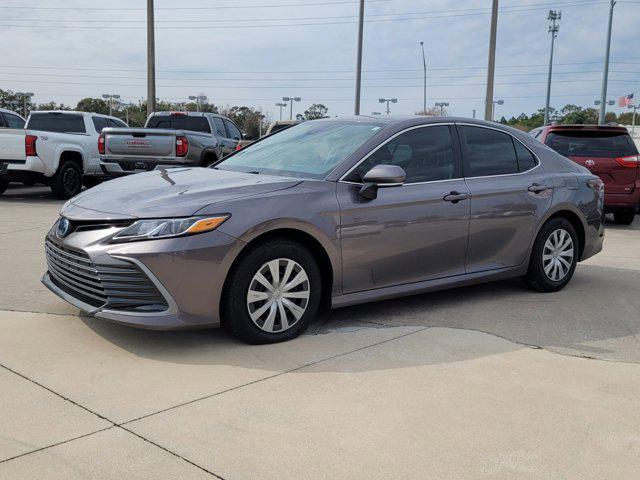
(66, 182)
(90, 182)
(624, 217)
(273, 293)
(554, 256)
(3, 186)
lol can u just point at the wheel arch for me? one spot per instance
(70, 153)
(572, 214)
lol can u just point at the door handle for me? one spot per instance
(455, 197)
(536, 188)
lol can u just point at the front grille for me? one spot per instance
(120, 287)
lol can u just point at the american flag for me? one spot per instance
(626, 100)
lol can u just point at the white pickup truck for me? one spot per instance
(55, 147)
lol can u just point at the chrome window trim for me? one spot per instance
(538, 162)
(382, 144)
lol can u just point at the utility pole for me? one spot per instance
(356, 109)
(605, 73)
(488, 103)
(151, 60)
(424, 63)
(553, 30)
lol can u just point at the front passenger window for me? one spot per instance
(425, 154)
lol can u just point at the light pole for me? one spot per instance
(356, 109)
(491, 64)
(605, 73)
(280, 104)
(553, 30)
(198, 99)
(424, 64)
(291, 99)
(388, 101)
(493, 107)
(442, 105)
(151, 60)
(633, 119)
(109, 97)
(25, 97)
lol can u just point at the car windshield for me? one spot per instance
(591, 143)
(310, 149)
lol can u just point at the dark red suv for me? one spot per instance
(609, 152)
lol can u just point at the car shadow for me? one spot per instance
(33, 194)
(596, 316)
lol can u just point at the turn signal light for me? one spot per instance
(631, 161)
(30, 145)
(206, 224)
(182, 146)
(101, 141)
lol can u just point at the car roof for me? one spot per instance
(413, 120)
(5, 110)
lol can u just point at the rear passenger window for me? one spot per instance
(425, 154)
(99, 123)
(219, 126)
(526, 160)
(112, 122)
(13, 121)
(487, 152)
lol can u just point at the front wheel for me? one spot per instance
(67, 181)
(624, 217)
(554, 256)
(273, 293)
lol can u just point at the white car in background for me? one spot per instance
(55, 147)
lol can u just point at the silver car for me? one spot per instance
(332, 212)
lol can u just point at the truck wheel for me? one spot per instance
(90, 182)
(624, 217)
(3, 186)
(66, 182)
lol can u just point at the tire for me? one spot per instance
(67, 181)
(624, 217)
(267, 325)
(29, 183)
(556, 232)
(90, 182)
(4, 184)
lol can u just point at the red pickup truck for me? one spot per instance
(607, 151)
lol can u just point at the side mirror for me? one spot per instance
(381, 176)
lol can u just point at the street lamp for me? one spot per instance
(493, 107)
(424, 63)
(109, 97)
(388, 101)
(25, 96)
(291, 99)
(376, 113)
(608, 102)
(280, 104)
(554, 16)
(442, 105)
(198, 99)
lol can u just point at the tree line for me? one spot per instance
(569, 114)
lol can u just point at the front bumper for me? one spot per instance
(189, 272)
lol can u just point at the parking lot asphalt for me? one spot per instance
(490, 381)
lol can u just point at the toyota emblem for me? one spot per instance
(589, 163)
(63, 228)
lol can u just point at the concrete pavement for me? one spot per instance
(491, 381)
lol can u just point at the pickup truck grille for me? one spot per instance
(119, 287)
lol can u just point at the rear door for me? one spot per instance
(606, 153)
(510, 192)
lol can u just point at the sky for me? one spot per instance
(254, 52)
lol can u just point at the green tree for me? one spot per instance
(315, 111)
(95, 105)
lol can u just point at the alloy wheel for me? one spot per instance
(557, 255)
(278, 295)
(71, 180)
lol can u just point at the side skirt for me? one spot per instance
(427, 286)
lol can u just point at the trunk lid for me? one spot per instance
(140, 142)
(602, 151)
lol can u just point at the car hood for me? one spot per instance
(177, 192)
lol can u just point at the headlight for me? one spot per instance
(168, 227)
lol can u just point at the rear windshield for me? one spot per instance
(591, 143)
(179, 122)
(56, 122)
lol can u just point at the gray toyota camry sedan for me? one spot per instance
(332, 212)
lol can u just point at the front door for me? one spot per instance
(509, 193)
(410, 233)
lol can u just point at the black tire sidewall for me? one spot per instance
(536, 278)
(58, 187)
(235, 315)
(624, 217)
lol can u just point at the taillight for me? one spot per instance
(630, 161)
(101, 142)
(182, 146)
(178, 114)
(30, 145)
